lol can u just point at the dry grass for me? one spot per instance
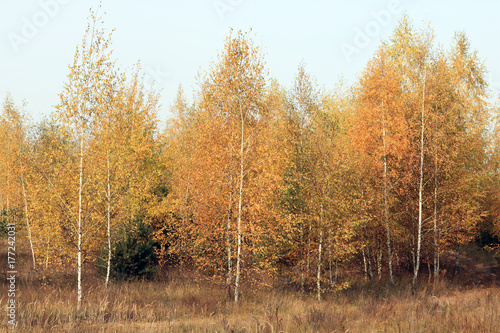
(188, 303)
(185, 306)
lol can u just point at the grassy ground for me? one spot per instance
(188, 303)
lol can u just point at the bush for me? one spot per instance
(134, 251)
(12, 215)
(3, 223)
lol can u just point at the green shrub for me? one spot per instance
(3, 223)
(134, 251)
(6, 216)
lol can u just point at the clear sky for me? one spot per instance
(175, 39)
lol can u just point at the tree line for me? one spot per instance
(251, 180)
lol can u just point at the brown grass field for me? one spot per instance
(46, 302)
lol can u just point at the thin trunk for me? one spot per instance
(184, 223)
(318, 280)
(26, 214)
(240, 207)
(320, 245)
(80, 230)
(47, 253)
(8, 181)
(330, 251)
(413, 251)
(365, 269)
(368, 259)
(330, 269)
(436, 247)
(379, 263)
(386, 203)
(430, 272)
(229, 279)
(301, 250)
(308, 254)
(108, 198)
(420, 189)
(301, 179)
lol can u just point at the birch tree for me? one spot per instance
(90, 76)
(303, 104)
(16, 162)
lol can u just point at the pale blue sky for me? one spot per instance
(175, 39)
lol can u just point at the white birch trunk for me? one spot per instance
(365, 269)
(386, 204)
(229, 279)
(80, 230)
(330, 251)
(318, 280)
(47, 253)
(379, 263)
(301, 179)
(8, 182)
(368, 257)
(308, 253)
(27, 216)
(184, 223)
(436, 245)
(240, 207)
(301, 262)
(420, 190)
(108, 197)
